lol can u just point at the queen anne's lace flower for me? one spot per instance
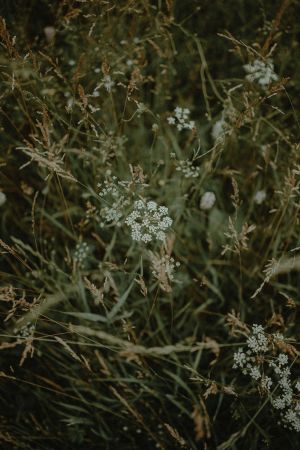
(261, 72)
(181, 119)
(148, 221)
(258, 359)
(114, 194)
(81, 253)
(257, 342)
(187, 168)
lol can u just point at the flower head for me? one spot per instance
(181, 119)
(261, 72)
(148, 221)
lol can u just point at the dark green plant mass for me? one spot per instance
(149, 224)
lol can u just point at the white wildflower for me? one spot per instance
(282, 359)
(188, 169)
(257, 342)
(148, 221)
(207, 201)
(114, 193)
(291, 419)
(279, 403)
(81, 253)
(259, 363)
(171, 120)
(261, 72)
(254, 373)
(181, 119)
(27, 331)
(240, 359)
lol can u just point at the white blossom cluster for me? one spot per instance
(112, 192)
(261, 72)
(148, 221)
(181, 119)
(188, 169)
(27, 331)
(271, 371)
(81, 253)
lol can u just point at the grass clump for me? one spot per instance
(149, 198)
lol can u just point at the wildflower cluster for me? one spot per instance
(148, 221)
(27, 331)
(181, 119)
(271, 370)
(261, 72)
(81, 253)
(188, 169)
(113, 193)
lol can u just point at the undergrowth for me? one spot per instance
(149, 246)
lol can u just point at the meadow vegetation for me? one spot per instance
(149, 226)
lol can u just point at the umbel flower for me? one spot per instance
(261, 72)
(181, 119)
(81, 253)
(148, 221)
(271, 370)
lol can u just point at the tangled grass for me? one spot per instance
(149, 199)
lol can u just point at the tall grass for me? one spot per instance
(108, 341)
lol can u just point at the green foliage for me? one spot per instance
(109, 342)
